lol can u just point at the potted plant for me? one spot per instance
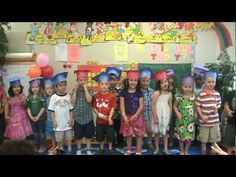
(3, 41)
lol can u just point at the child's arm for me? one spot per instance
(6, 106)
(71, 120)
(41, 112)
(110, 121)
(54, 122)
(177, 112)
(154, 110)
(228, 111)
(198, 105)
(140, 109)
(74, 94)
(122, 108)
(171, 107)
(23, 99)
(87, 94)
(30, 115)
(100, 115)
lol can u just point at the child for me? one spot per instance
(36, 110)
(184, 107)
(145, 78)
(115, 75)
(230, 135)
(174, 90)
(131, 106)
(104, 104)
(162, 110)
(49, 90)
(3, 106)
(83, 114)
(18, 125)
(198, 71)
(208, 102)
(61, 111)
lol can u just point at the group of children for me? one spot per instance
(135, 109)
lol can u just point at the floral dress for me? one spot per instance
(185, 128)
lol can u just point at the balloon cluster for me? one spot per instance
(42, 69)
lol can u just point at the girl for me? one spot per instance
(18, 124)
(49, 90)
(185, 110)
(162, 110)
(36, 109)
(131, 106)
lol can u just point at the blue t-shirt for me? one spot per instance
(131, 101)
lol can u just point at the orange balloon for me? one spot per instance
(34, 72)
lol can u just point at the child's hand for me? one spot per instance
(179, 115)
(70, 122)
(156, 120)
(102, 116)
(205, 118)
(230, 114)
(133, 118)
(76, 87)
(7, 118)
(54, 123)
(110, 121)
(126, 119)
(85, 86)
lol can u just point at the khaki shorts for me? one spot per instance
(209, 134)
(63, 135)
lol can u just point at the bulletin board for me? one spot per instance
(180, 69)
(18, 67)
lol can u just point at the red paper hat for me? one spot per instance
(81, 73)
(133, 74)
(160, 75)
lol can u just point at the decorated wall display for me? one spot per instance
(87, 33)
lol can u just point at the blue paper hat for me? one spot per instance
(188, 80)
(59, 77)
(112, 70)
(211, 74)
(35, 81)
(170, 72)
(103, 76)
(147, 72)
(48, 81)
(199, 69)
(14, 81)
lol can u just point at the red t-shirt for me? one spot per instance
(103, 103)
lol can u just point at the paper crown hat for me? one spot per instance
(112, 70)
(81, 73)
(199, 69)
(147, 72)
(188, 80)
(48, 81)
(103, 76)
(14, 81)
(59, 77)
(160, 75)
(211, 74)
(133, 74)
(35, 81)
(170, 72)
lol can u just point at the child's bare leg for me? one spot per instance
(166, 144)
(157, 140)
(88, 143)
(110, 145)
(139, 143)
(181, 146)
(79, 143)
(203, 148)
(186, 149)
(102, 145)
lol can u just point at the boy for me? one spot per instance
(104, 104)
(198, 71)
(145, 78)
(83, 114)
(61, 107)
(115, 75)
(208, 102)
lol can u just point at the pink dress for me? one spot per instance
(18, 127)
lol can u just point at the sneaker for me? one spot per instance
(138, 153)
(127, 152)
(100, 152)
(78, 152)
(89, 152)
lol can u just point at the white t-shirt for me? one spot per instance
(61, 105)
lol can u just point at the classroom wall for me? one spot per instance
(206, 50)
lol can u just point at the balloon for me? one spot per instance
(42, 59)
(47, 71)
(35, 71)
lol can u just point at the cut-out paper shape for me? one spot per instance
(61, 52)
(74, 53)
(121, 52)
